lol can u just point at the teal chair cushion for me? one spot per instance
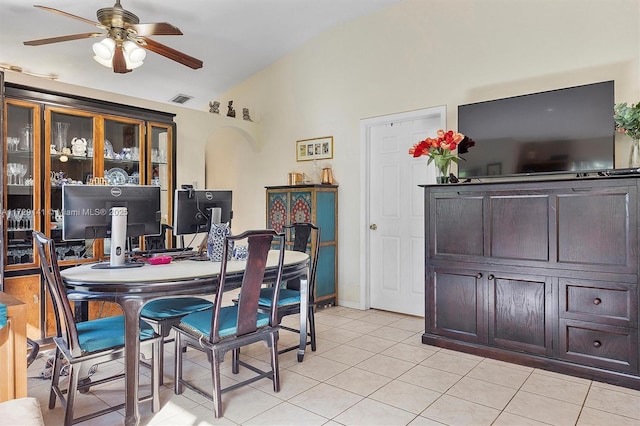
(3, 315)
(200, 322)
(287, 297)
(171, 308)
(105, 333)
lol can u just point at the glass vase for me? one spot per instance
(442, 171)
(634, 156)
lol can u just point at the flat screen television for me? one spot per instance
(86, 210)
(567, 130)
(192, 209)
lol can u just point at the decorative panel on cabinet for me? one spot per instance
(543, 273)
(317, 204)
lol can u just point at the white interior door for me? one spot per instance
(396, 273)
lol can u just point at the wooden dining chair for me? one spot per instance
(221, 329)
(289, 299)
(82, 345)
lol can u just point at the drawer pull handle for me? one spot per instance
(597, 344)
(597, 301)
(479, 275)
(491, 277)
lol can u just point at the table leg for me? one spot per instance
(304, 313)
(131, 309)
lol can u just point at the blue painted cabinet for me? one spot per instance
(317, 204)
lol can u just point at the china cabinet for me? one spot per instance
(52, 140)
(317, 204)
(539, 273)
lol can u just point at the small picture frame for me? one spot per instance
(314, 149)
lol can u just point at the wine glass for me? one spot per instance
(10, 172)
(22, 170)
(18, 214)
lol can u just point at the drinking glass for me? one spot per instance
(22, 170)
(11, 172)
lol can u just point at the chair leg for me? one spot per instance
(275, 368)
(312, 328)
(72, 390)
(177, 373)
(235, 361)
(217, 392)
(55, 378)
(156, 374)
(160, 362)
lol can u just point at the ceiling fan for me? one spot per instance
(126, 39)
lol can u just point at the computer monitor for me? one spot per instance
(192, 209)
(86, 210)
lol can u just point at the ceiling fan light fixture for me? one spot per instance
(104, 49)
(134, 53)
(101, 61)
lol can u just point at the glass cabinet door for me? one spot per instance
(22, 212)
(160, 155)
(123, 155)
(71, 137)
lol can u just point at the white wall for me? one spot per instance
(418, 54)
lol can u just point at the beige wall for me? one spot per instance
(416, 54)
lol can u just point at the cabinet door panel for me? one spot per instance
(599, 345)
(457, 225)
(612, 303)
(585, 238)
(518, 316)
(22, 211)
(457, 305)
(520, 227)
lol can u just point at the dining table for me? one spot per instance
(132, 288)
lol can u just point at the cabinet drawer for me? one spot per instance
(598, 345)
(613, 303)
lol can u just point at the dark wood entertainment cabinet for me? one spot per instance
(540, 273)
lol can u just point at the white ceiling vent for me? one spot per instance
(181, 99)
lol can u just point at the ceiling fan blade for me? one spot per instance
(69, 15)
(119, 63)
(157, 28)
(170, 53)
(58, 39)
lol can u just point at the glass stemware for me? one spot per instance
(22, 170)
(18, 215)
(11, 171)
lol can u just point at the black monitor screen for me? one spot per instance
(558, 131)
(85, 210)
(192, 209)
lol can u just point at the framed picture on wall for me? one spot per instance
(314, 149)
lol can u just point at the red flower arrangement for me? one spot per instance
(440, 150)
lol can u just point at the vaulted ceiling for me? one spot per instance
(234, 38)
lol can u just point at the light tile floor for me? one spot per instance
(370, 368)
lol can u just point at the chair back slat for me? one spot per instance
(65, 321)
(259, 244)
(301, 241)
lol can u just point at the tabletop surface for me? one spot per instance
(175, 271)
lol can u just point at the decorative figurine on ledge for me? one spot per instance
(232, 112)
(214, 107)
(245, 114)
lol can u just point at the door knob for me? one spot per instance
(373, 226)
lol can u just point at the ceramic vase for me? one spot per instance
(634, 156)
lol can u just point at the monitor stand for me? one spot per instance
(118, 242)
